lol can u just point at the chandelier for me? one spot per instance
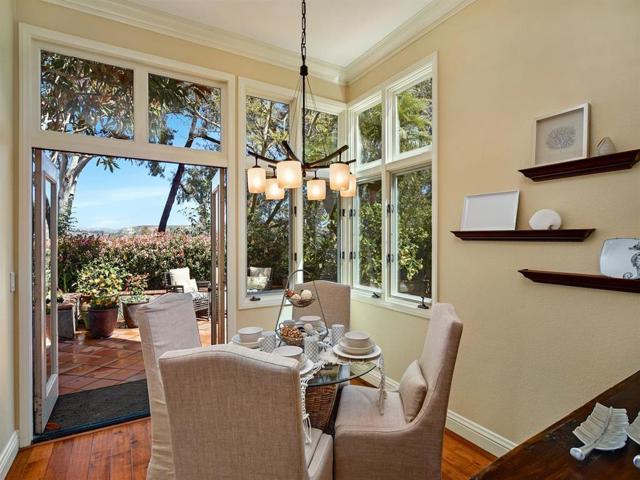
(290, 172)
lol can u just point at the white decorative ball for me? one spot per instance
(545, 219)
(295, 296)
(306, 295)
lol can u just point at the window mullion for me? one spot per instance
(141, 106)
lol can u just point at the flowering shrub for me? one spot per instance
(135, 285)
(102, 281)
(149, 254)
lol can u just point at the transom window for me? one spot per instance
(414, 114)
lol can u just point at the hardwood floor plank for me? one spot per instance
(100, 462)
(121, 468)
(123, 451)
(59, 460)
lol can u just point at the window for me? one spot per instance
(392, 212)
(414, 114)
(268, 221)
(320, 218)
(184, 114)
(412, 228)
(370, 135)
(368, 235)
(85, 97)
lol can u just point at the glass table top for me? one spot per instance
(340, 373)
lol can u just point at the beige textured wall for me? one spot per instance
(530, 353)
(7, 120)
(42, 14)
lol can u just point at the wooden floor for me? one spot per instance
(122, 452)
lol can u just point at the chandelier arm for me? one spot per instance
(290, 153)
(257, 156)
(331, 156)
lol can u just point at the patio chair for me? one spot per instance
(236, 413)
(166, 323)
(178, 280)
(259, 279)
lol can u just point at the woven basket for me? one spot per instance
(319, 403)
(301, 303)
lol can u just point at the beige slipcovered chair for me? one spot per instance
(166, 323)
(236, 413)
(405, 442)
(335, 299)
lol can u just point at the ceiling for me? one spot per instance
(338, 31)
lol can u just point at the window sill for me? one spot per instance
(266, 300)
(408, 308)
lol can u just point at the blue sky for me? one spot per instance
(125, 198)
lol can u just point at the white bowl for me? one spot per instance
(289, 351)
(314, 320)
(357, 339)
(249, 334)
(357, 350)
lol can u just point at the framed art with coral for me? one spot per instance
(561, 137)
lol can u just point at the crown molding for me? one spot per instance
(436, 12)
(173, 26)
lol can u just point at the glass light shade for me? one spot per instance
(339, 176)
(289, 174)
(256, 179)
(272, 190)
(351, 191)
(316, 189)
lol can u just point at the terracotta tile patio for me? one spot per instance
(88, 363)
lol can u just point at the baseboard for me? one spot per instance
(479, 435)
(467, 429)
(8, 455)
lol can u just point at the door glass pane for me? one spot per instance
(369, 234)
(414, 114)
(321, 219)
(413, 223)
(268, 221)
(85, 97)
(184, 114)
(370, 134)
(51, 297)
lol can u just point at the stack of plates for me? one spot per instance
(357, 353)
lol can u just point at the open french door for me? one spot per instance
(45, 288)
(218, 258)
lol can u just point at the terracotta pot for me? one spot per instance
(128, 310)
(102, 322)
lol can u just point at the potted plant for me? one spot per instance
(101, 281)
(135, 285)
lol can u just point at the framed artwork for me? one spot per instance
(490, 211)
(561, 137)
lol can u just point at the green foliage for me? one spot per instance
(321, 134)
(414, 231)
(370, 233)
(415, 112)
(135, 285)
(370, 128)
(321, 237)
(152, 255)
(101, 280)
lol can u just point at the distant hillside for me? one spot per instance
(127, 231)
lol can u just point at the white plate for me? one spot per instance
(617, 258)
(306, 368)
(236, 340)
(356, 350)
(337, 349)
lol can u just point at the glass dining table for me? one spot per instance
(335, 374)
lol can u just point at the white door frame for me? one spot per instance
(32, 39)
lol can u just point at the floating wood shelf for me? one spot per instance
(584, 166)
(582, 280)
(562, 235)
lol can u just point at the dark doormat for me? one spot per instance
(91, 409)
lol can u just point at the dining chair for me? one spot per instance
(166, 323)
(405, 442)
(236, 413)
(335, 299)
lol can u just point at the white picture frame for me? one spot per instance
(490, 211)
(562, 136)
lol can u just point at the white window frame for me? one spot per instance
(391, 164)
(256, 88)
(356, 110)
(32, 40)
